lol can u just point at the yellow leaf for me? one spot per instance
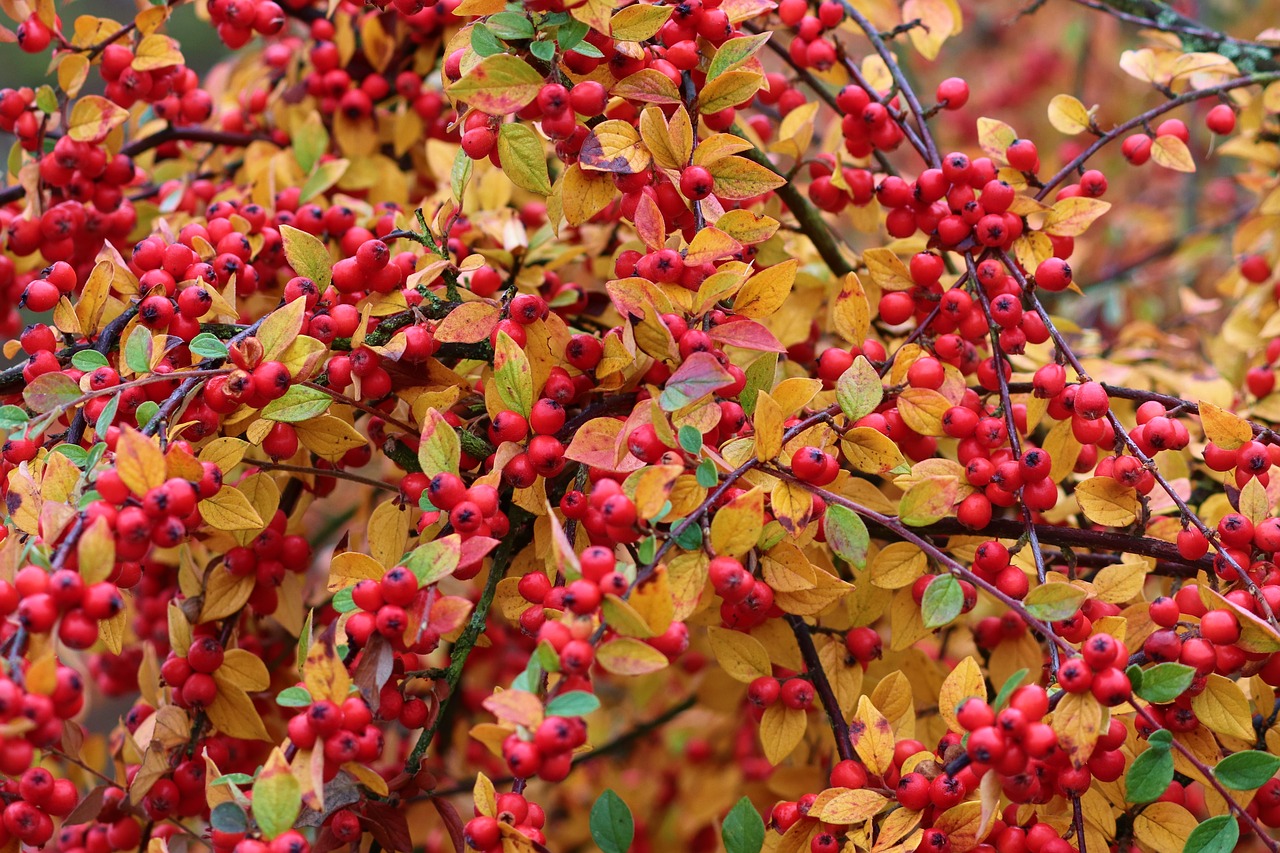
(898, 565)
(728, 90)
(766, 291)
(741, 656)
(388, 533)
(628, 656)
(517, 707)
(872, 737)
(230, 510)
(1071, 216)
(623, 618)
(368, 777)
(1107, 501)
(995, 137)
(329, 437)
(781, 730)
(962, 682)
(1164, 826)
(851, 314)
(324, 674)
(737, 178)
(1078, 720)
(871, 451)
(1225, 429)
(1068, 115)
(277, 796)
(922, 410)
(736, 528)
(847, 806)
(97, 551)
(961, 825)
(1223, 708)
(244, 670)
(584, 195)
(282, 326)
(1172, 153)
(93, 117)
(639, 22)
(233, 714)
(937, 21)
(156, 51)
(1120, 583)
(768, 427)
(615, 146)
(139, 461)
(225, 593)
(112, 631)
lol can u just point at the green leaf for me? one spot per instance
(233, 779)
(325, 176)
(576, 703)
(294, 697)
(759, 374)
(1054, 601)
(612, 827)
(690, 539)
(310, 142)
(46, 100)
(1164, 682)
(943, 601)
(1161, 737)
(77, 454)
(690, 438)
(206, 345)
(1244, 771)
(1149, 775)
(1215, 835)
(228, 817)
(649, 546)
(707, 475)
(571, 34)
(859, 389)
(88, 360)
(544, 50)
(484, 42)
(342, 601)
(107, 416)
(460, 173)
(1011, 684)
(15, 417)
(547, 657)
(510, 25)
(847, 535)
(137, 350)
(743, 830)
(146, 412)
(523, 158)
(299, 403)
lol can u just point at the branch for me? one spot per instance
(818, 675)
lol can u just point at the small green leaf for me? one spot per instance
(146, 412)
(484, 42)
(847, 535)
(107, 416)
(299, 403)
(571, 34)
(1165, 682)
(1011, 684)
(943, 601)
(1215, 835)
(690, 438)
(206, 345)
(228, 817)
(137, 350)
(342, 601)
(760, 374)
(46, 100)
(88, 360)
(294, 697)
(544, 50)
(15, 417)
(1054, 601)
(690, 539)
(77, 454)
(233, 779)
(576, 703)
(1244, 771)
(612, 827)
(1149, 775)
(649, 546)
(743, 830)
(707, 475)
(510, 25)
